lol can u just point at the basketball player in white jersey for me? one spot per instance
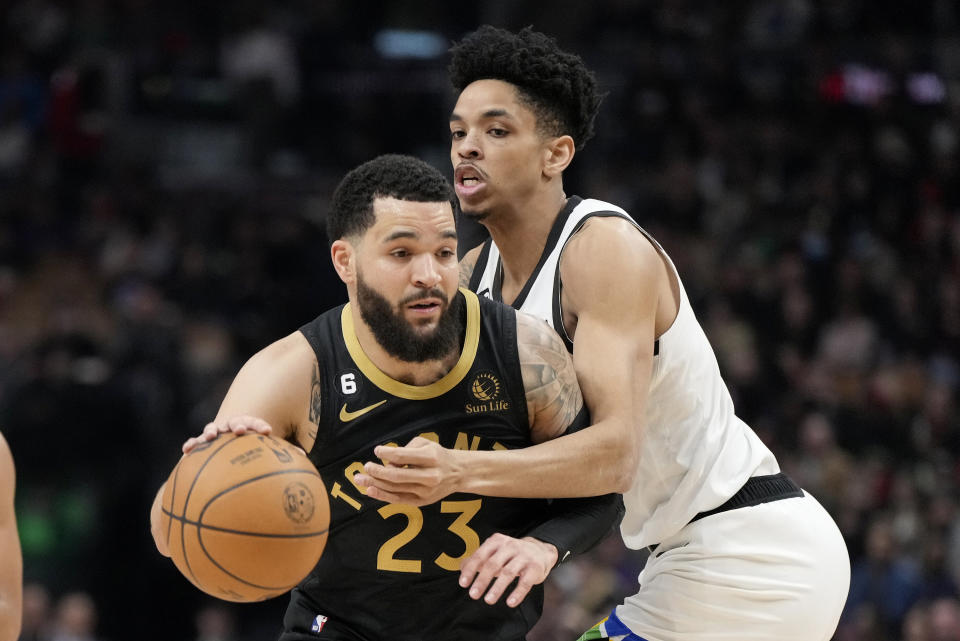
(738, 551)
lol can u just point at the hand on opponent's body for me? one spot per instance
(421, 473)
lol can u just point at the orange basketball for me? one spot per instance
(245, 517)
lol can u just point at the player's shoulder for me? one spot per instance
(604, 228)
(604, 255)
(472, 255)
(535, 338)
(610, 240)
(468, 263)
(291, 351)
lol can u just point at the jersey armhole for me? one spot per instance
(558, 325)
(480, 266)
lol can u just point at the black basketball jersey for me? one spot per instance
(390, 572)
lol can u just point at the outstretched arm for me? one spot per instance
(610, 275)
(11, 567)
(555, 407)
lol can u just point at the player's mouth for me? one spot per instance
(425, 306)
(468, 180)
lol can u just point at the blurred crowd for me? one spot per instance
(165, 170)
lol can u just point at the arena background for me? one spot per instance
(165, 169)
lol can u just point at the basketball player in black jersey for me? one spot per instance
(411, 355)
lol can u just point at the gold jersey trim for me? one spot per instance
(417, 392)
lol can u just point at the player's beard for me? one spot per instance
(398, 337)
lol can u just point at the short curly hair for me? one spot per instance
(387, 176)
(555, 84)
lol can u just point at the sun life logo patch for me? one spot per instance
(486, 389)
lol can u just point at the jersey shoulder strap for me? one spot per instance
(479, 268)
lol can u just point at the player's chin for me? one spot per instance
(425, 326)
(474, 210)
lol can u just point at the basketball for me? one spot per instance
(245, 517)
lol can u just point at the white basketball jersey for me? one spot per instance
(695, 452)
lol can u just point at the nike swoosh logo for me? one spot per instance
(347, 416)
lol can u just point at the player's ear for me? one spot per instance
(343, 255)
(558, 154)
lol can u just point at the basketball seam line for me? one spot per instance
(186, 502)
(229, 489)
(183, 520)
(215, 528)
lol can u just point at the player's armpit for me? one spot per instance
(549, 379)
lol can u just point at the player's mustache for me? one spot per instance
(433, 293)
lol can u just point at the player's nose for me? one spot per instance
(469, 146)
(425, 271)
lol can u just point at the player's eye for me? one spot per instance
(497, 132)
(457, 134)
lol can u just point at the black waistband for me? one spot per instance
(757, 490)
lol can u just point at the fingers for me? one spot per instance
(242, 424)
(495, 565)
(420, 473)
(395, 497)
(383, 489)
(418, 452)
(390, 477)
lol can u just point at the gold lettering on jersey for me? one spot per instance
(492, 406)
(354, 468)
(486, 388)
(337, 492)
(462, 442)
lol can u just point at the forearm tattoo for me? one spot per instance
(549, 379)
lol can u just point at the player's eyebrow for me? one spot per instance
(406, 233)
(401, 233)
(489, 113)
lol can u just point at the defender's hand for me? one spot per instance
(502, 559)
(420, 473)
(242, 424)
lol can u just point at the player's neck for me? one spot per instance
(521, 235)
